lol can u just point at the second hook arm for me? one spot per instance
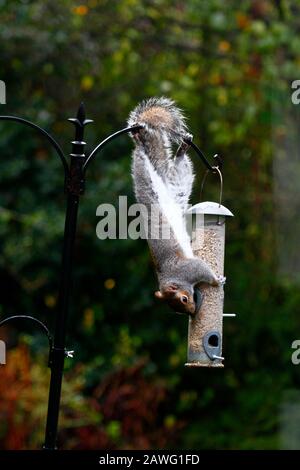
(42, 131)
(102, 144)
(218, 159)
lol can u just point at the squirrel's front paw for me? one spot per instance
(185, 144)
(218, 281)
(221, 280)
(187, 138)
(138, 134)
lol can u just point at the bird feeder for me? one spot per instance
(208, 243)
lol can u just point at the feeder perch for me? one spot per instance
(208, 243)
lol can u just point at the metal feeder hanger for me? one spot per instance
(74, 187)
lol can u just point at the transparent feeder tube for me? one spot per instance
(205, 328)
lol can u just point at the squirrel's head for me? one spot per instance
(180, 300)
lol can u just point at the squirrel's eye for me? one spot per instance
(184, 299)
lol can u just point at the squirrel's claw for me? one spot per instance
(221, 280)
(136, 136)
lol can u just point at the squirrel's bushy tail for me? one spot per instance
(160, 114)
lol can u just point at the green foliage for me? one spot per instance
(229, 65)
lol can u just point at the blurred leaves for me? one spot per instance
(121, 412)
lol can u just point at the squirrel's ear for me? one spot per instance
(171, 288)
(158, 294)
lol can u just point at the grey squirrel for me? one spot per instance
(164, 181)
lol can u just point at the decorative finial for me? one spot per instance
(81, 113)
(80, 121)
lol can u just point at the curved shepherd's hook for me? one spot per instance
(102, 144)
(42, 131)
(35, 320)
(218, 159)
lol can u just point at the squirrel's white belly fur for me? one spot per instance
(170, 209)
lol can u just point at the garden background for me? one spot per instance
(230, 66)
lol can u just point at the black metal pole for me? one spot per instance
(57, 354)
(74, 188)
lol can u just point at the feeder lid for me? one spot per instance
(208, 207)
